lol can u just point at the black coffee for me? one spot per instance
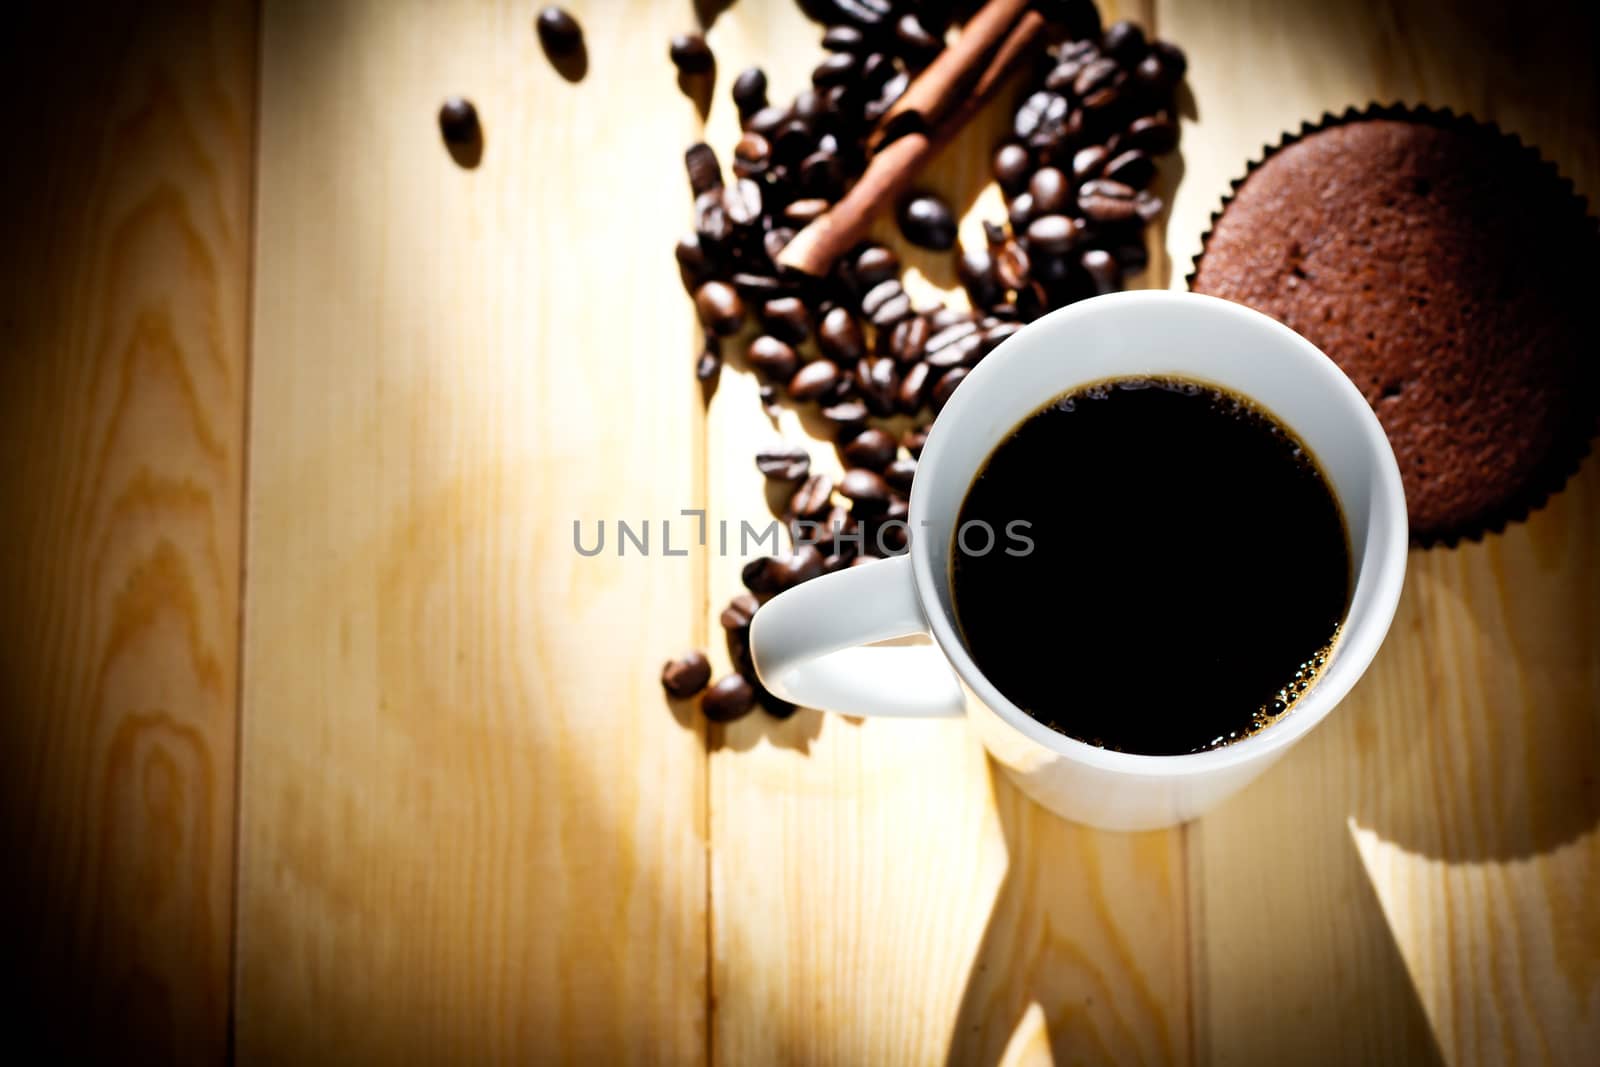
(1187, 575)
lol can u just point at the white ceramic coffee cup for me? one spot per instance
(811, 644)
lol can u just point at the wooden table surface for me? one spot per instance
(323, 744)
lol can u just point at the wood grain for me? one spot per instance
(123, 312)
(1407, 885)
(878, 894)
(471, 827)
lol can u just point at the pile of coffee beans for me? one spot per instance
(1076, 171)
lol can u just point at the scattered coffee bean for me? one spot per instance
(740, 610)
(729, 699)
(1103, 271)
(803, 212)
(945, 386)
(1156, 134)
(871, 450)
(750, 91)
(913, 388)
(742, 202)
(899, 475)
(844, 39)
(1052, 235)
(892, 309)
(772, 358)
(1043, 113)
(996, 334)
(787, 319)
(774, 705)
(692, 264)
(458, 121)
(720, 309)
(786, 463)
(1013, 267)
(1125, 40)
(1106, 201)
(813, 380)
(757, 577)
(1088, 162)
(848, 418)
(705, 173)
(975, 268)
(878, 379)
(690, 54)
(751, 155)
(1147, 204)
(709, 365)
(913, 441)
(926, 221)
(866, 490)
(1020, 212)
(839, 337)
(559, 32)
(801, 565)
(837, 69)
(1012, 164)
(1133, 168)
(813, 496)
(685, 675)
(875, 265)
(1051, 191)
(917, 42)
(908, 339)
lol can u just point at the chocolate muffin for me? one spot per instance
(1450, 272)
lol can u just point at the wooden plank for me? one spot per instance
(1411, 883)
(879, 895)
(123, 379)
(471, 827)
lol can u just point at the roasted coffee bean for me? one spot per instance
(917, 42)
(945, 386)
(996, 333)
(458, 121)
(926, 221)
(836, 562)
(867, 14)
(844, 39)
(913, 386)
(685, 675)
(773, 704)
(750, 91)
(963, 351)
(975, 268)
(848, 418)
(994, 235)
(1147, 204)
(709, 363)
(1089, 162)
(876, 69)
(731, 698)
(787, 319)
(880, 294)
(821, 175)
(801, 565)
(720, 309)
(908, 338)
(946, 315)
(786, 463)
(710, 220)
(1050, 269)
(1156, 134)
(900, 474)
(1103, 271)
(1020, 213)
(913, 440)
(866, 490)
(874, 265)
(751, 155)
(871, 450)
(1131, 255)
(1051, 191)
(1013, 267)
(892, 311)
(692, 265)
(802, 212)
(690, 54)
(813, 380)
(1132, 168)
(1162, 69)
(559, 32)
(839, 337)
(740, 610)
(877, 379)
(1102, 73)
(948, 336)
(813, 496)
(767, 121)
(1103, 99)
(767, 393)
(1125, 40)
(1106, 201)
(742, 202)
(1052, 235)
(757, 576)
(757, 288)
(837, 69)
(792, 143)
(1043, 112)
(774, 241)
(744, 664)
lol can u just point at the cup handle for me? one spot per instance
(807, 646)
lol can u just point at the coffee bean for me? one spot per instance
(913, 386)
(710, 220)
(907, 339)
(871, 450)
(949, 315)
(757, 576)
(963, 351)
(751, 155)
(690, 54)
(867, 14)
(709, 363)
(1132, 168)
(1012, 164)
(750, 91)
(1043, 112)
(458, 121)
(685, 675)
(1147, 204)
(821, 175)
(1099, 74)
(813, 496)
(1104, 273)
(975, 268)
(1156, 134)
(839, 337)
(1013, 267)
(720, 309)
(917, 42)
(802, 565)
(948, 336)
(1088, 162)
(742, 202)
(1163, 68)
(1106, 201)
(876, 69)
(559, 32)
(792, 142)
(836, 69)
(913, 440)
(1052, 235)
(813, 380)
(775, 240)
(874, 265)
(848, 418)
(740, 610)
(866, 490)
(767, 393)
(1051, 191)
(995, 334)
(1050, 269)
(731, 698)
(891, 310)
(787, 319)
(900, 474)
(926, 222)
(774, 705)
(946, 385)
(877, 379)
(802, 212)
(1125, 40)
(785, 463)
(844, 39)
(767, 121)
(692, 265)
(1020, 213)
(757, 288)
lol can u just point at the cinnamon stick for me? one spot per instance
(891, 171)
